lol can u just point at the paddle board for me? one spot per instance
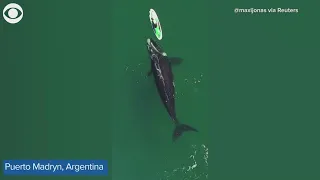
(155, 23)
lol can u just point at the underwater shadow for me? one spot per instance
(145, 102)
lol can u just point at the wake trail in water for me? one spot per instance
(196, 169)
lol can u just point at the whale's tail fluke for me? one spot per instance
(180, 129)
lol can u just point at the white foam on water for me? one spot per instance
(199, 161)
(142, 71)
(194, 80)
(192, 84)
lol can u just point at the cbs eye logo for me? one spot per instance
(12, 13)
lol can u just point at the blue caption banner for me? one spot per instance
(55, 167)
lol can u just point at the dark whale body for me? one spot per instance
(161, 68)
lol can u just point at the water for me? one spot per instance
(144, 144)
(74, 86)
(77, 88)
(190, 170)
(192, 158)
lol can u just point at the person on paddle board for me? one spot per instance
(155, 26)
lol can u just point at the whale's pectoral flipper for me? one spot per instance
(175, 60)
(149, 73)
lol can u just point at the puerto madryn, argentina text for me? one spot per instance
(53, 167)
(48, 167)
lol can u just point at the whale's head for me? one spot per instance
(154, 48)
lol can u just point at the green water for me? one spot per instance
(74, 86)
(142, 128)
